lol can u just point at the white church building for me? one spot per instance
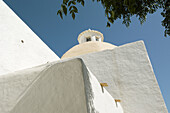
(91, 77)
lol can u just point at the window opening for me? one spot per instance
(97, 39)
(88, 39)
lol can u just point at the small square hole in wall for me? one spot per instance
(88, 39)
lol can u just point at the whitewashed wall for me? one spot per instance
(126, 69)
(63, 87)
(98, 98)
(13, 85)
(129, 74)
(20, 47)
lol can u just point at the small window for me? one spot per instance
(88, 39)
(97, 39)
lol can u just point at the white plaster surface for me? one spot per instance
(62, 87)
(13, 85)
(129, 74)
(99, 101)
(126, 69)
(15, 55)
(93, 34)
(59, 89)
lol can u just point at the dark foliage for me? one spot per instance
(123, 9)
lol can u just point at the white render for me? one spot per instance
(129, 74)
(92, 34)
(102, 101)
(72, 85)
(20, 47)
(67, 87)
(12, 86)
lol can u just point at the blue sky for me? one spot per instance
(60, 35)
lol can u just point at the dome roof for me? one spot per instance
(88, 47)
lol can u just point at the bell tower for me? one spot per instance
(90, 35)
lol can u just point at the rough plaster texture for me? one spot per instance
(126, 69)
(129, 74)
(65, 87)
(99, 100)
(14, 84)
(20, 48)
(59, 89)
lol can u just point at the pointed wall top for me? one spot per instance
(20, 47)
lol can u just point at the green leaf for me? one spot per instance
(111, 20)
(69, 3)
(106, 13)
(82, 2)
(70, 8)
(74, 8)
(72, 11)
(60, 13)
(65, 2)
(73, 2)
(64, 8)
(108, 24)
(125, 2)
(112, 13)
(73, 16)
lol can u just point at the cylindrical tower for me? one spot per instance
(89, 41)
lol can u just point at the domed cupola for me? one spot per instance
(89, 41)
(90, 35)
